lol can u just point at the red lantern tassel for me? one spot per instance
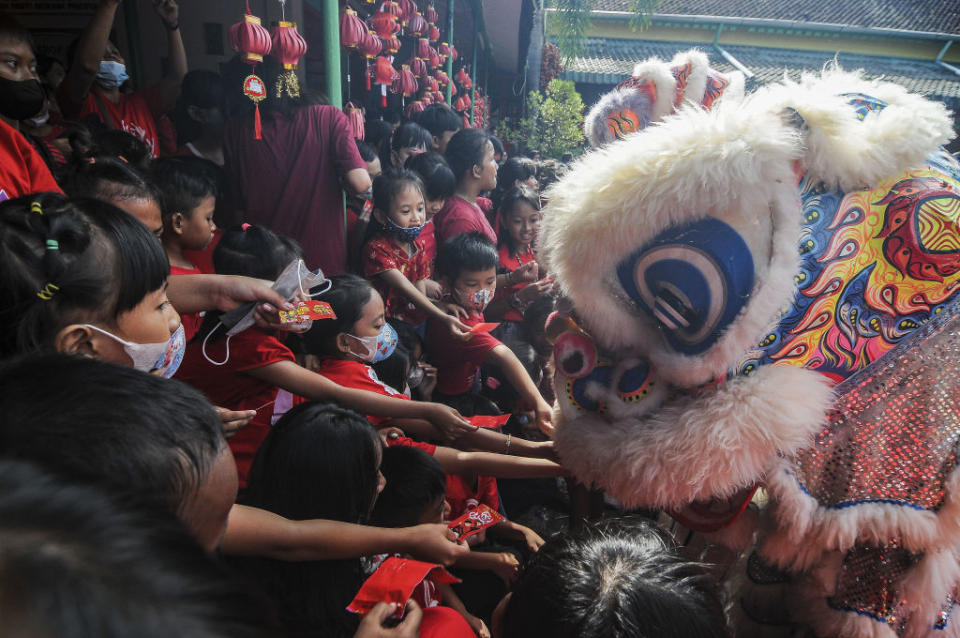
(257, 131)
(367, 75)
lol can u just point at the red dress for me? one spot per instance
(457, 362)
(509, 263)
(136, 113)
(226, 386)
(460, 216)
(381, 254)
(22, 170)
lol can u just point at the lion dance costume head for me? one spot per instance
(762, 292)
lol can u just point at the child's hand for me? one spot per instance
(476, 625)
(448, 421)
(531, 539)
(372, 624)
(311, 362)
(526, 273)
(507, 567)
(390, 433)
(545, 418)
(433, 543)
(432, 289)
(459, 329)
(429, 383)
(453, 309)
(537, 289)
(234, 420)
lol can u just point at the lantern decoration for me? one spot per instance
(453, 89)
(288, 47)
(464, 79)
(417, 25)
(355, 118)
(422, 49)
(370, 47)
(434, 61)
(391, 44)
(444, 51)
(404, 83)
(250, 38)
(352, 30)
(462, 103)
(385, 24)
(413, 108)
(433, 33)
(453, 53)
(430, 84)
(466, 121)
(427, 99)
(438, 97)
(392, 8)
(383, 74)
(418, 66)
(407, 9)
(442, 78)
(431, 15)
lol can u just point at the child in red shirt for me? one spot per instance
(189, 198)
(395, 259)
(468, 268)
(438, 185)
(470, 156)
(245, 370)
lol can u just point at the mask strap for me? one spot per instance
(300, 267)
(111, 335)
(203, 347)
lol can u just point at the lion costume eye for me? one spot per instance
(575, 354)
(692, 280)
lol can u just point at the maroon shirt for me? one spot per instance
(289, 181)
(460, 216)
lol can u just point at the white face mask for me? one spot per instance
(162, 358)
(294, 278)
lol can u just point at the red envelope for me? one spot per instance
(394, 582)
(475, 521)
(490, 422)
(308, 311)
(484, 327)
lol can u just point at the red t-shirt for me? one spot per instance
(429, 448)
(358, 375)
(191, 321)
(460, 216)
(136, 113)
(462, 496)
(381, 254)
(457, 362)
(509, 263)
(429, 238)
(289, 181)
(228, 387)
(22, 169)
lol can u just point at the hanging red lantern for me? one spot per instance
(427, 99)
(431, 14)
(442, 78)
(464, 79)
(422, 49)
(383, 74)
(370, 47)
(462, 103)
(430, 83)
(444, 51)
(250, 38)
(352, 30)
(418, 66)
(416, 25)
(413, 108)
(288, 47)
(392, 8)
(385, 24)
(438, 97)
(407, 83)
(407, 9)
(466, 121)
(391, 44)
(453, 89)
(453, 53)
(355, 118)
(433, 33)
(434, 60)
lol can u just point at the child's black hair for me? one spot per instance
(514, 169)
(471, 252)
(618, 579)
(11, 29)
(438, 119)
(184, 182)
(407, 134)
(521, 194)
(415, 481)
(89, 259)
(347, 296)
(390, 183)
(122, 146)
(110, 179)
(438, 179)
(394, 369)
(375, 131)
(153, 440)
(367, 152)
(466, 150)
(254, 251)
(497, 145)
(200, 88)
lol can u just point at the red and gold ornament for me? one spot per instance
(352, 30)
(355, 117)
(464, 79)
(417, 26)
(288, 47)
(384, 75)
(370, 47)
(252, 40)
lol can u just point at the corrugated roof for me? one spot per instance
(941, 16)
(609, 61)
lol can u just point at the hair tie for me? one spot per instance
(244, 227)
(35, 207)
(53, 244)
(122, 159)
(47, 292)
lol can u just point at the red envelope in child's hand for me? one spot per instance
(475, 521)
(489, 422)
(394, 582)
(308, 311)
(484, 327)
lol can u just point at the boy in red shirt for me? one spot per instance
(467, 265)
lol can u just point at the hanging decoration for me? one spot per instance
(385, 24)
(444, 51)
(433, 33)
(438, 97)
(404, 84)
(407, 9)
(250, 38)
(431, 14)
(422, 49)
(434, 60)
(370, 46)
(288, 47)
(355, 118)
(392, 8)
(442, 78)
(413, 108)
(352, 30)
(464, 79)
(453, 53)
(384, 75)
(462, 103)
(391, 44)
(418, 66)
(416, 25)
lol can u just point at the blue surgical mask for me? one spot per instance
(379, 347)
(407, 235)
(112, 74)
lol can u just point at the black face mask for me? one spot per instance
(20, 100)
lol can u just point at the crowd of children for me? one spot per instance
(296, 455)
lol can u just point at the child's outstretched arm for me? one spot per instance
(256, 532)
(481, 439)
(518, 532)
(503, 564)
(298, 380)
(492, 464)
(397, 281)
(503, 357)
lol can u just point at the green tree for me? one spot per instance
(554, 122)
(573, 22)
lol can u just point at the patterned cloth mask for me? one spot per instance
(406, 235)
(162, 358)
(478, 300)
(379, 347)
